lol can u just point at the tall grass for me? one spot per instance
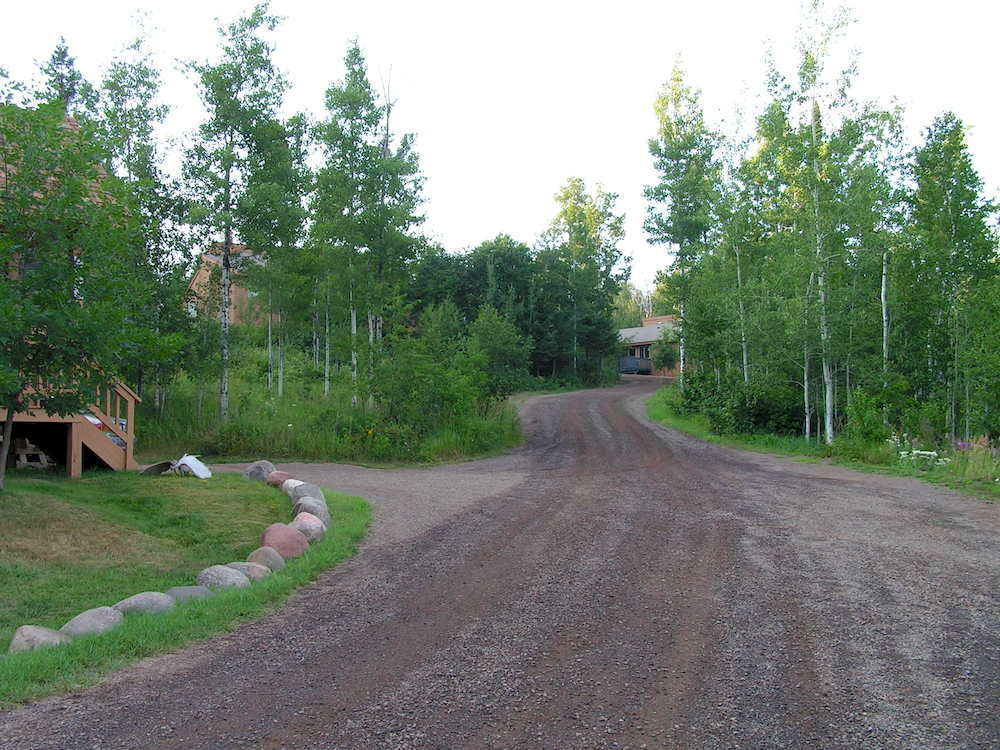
(973, 467)
(664, 407)
(307, 424)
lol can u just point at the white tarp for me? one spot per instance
(191, 465)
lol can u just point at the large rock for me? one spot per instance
(290, 484)
(187, 593)
(253, 571)
(267, 556)
(285, 540)
(305, 490)
(30, 637)
(315, 506)
(259, 470)
(222, 577)
(311, 527)
(97, 620)
(147, 601)
(278, 478)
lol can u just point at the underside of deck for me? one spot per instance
(100, 437)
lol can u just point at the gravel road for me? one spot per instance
(611, 584)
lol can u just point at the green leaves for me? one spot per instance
(65, 236)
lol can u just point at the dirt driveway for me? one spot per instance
(612, 584)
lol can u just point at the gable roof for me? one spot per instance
(649, 332)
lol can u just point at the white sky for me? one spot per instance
(509, 99)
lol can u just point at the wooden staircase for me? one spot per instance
(106, 429)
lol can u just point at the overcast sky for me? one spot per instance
(509, 99)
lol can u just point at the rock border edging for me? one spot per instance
(295, 537)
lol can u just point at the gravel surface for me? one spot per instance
(612, 584)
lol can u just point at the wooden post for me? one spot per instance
(74, 451)
(130, 432)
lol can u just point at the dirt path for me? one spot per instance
(612, 584)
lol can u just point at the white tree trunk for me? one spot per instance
(326, 348)
(281, 358)
(824, 328)
(743, 325)
(885, 314)
(354, 343)
(270, 348)
(224, 327)
(805, 392)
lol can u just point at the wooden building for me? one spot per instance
(204, 287)
(640, 341)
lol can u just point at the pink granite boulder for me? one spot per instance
(284, 540)
(278, 478)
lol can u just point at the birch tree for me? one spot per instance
(680, 204)
(239, 92)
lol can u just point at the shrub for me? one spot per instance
(498, 352)
(415, 390)
(864, 436)
(734, 406)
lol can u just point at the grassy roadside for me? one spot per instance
(66, 546)
(660, 408)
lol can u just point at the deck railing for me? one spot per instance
(107, 427)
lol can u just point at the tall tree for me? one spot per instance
(130, 114)
(64, 84)
(680, 210)
(950, 251)
(271, 216)
(368, 193)
(240, 92)
(347, 187)
(397, 183)
(65, 234)
(580, 253)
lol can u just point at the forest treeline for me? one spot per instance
(366, 339)
(831, 282)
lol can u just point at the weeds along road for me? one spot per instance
(612, 584)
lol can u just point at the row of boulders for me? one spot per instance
(279, 542)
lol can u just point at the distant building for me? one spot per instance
(639, 359)
(204, 286)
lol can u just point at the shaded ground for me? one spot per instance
(612, 584)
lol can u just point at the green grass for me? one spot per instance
(970, 472)
(661, 408)
(307, 425)
(69, 545)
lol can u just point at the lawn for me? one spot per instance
(69, 545)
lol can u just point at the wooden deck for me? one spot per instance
(114, 412)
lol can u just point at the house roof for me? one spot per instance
(649, 332)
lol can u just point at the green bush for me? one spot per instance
(417, 391)
(864, 435)
(733, 406)
(498, 352)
